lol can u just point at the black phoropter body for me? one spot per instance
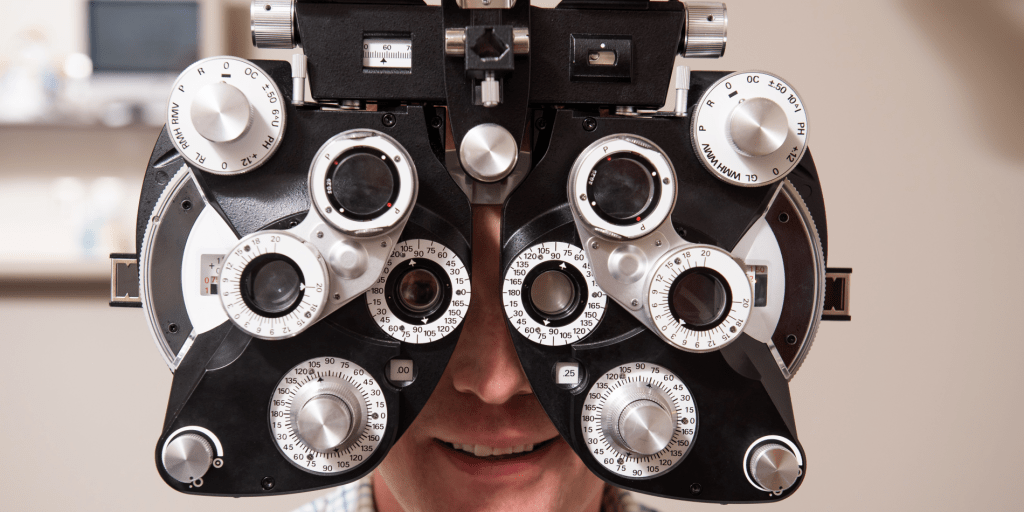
(663, 273)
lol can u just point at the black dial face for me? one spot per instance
(272, 285)
(700, 298)
(362, 184)
(623, 188)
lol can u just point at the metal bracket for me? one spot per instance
(837, 294)
(124, 281)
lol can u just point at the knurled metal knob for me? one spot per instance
(639, 417)
(645, 427)
(774, 467)
(488, 152)
(324, 422)
(705, 33)
(273, 23)
(758, 127)
(221, 113)
(187, 457)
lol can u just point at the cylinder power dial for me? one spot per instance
(639, 420)
(551, 296)
(422, 294)
(225, 115)
(327, 415)
(750, 129)
(273, 285)
(699, 298)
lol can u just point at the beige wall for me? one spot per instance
(916, 113)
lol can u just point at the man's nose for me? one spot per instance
(485, 362)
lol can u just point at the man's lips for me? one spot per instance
(487, 453)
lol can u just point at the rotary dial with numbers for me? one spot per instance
(750, 129)
(327, 415)
(225, 115)
(639, 420)
(550, 294)
(699, 298)
(273, 285)
(422, 294)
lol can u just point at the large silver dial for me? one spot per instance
(422, 294)
(550, 294)
(273, 285)
(699, 298)
(327, 415)
(225, 115)
(750, 129)
(639, 420)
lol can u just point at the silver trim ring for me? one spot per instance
(361, 138)
(611, 145)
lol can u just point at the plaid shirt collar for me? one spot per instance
(358, 497)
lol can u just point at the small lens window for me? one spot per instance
(419, 291)
(362, 184)
(272, 285)
(622, 188)
(699, 298)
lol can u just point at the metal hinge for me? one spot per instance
(837, 294)
(124, 281)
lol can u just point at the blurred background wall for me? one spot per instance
(917, 118)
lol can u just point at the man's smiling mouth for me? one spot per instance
(490, 453)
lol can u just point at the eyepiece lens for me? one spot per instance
(699, 298)
(272, 287)
(623, 187)
(362, 184)
(419, 290)
(552, 293)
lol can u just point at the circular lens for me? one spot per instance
(272, 287)
(622, 186)
(699, 298)
(419, 290)
(552, 293)
(362, 184)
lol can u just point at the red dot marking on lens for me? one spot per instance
(609, 159)
(389, 205)
(638, 219)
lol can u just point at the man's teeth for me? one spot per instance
(486, 451)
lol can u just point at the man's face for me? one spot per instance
(484, 404)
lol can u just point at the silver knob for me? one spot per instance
(646, 427)
(706, 30)
(774, 467)
(639, 418)
(758, 127)
(552, 293)
(324, 422)
(221, 113)
(455, 42)
(187, 457)
(488, 152)
(273, 23)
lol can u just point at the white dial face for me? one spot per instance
(453, 288)
(193, 99)
(328, 372)
(296, 314)
(707, 285)
(584, 306)
(609, 453)
(773, 109)
(390, 53)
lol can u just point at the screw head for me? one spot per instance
(657, 243)
(589, 124)
(634, 302)
(542, 124)
(388, 120)
(594, 245)
(695, 489)
(267, 483)
(186, 205)
(436, 122)
(383, 244)
(791, 339)
(319, 234)
(173, 328)
(337, 296)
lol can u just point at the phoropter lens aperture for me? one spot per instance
(362, 184)
(419, 291)
(699, 298)
(553, 293)
(622, 188)
(272, 285)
